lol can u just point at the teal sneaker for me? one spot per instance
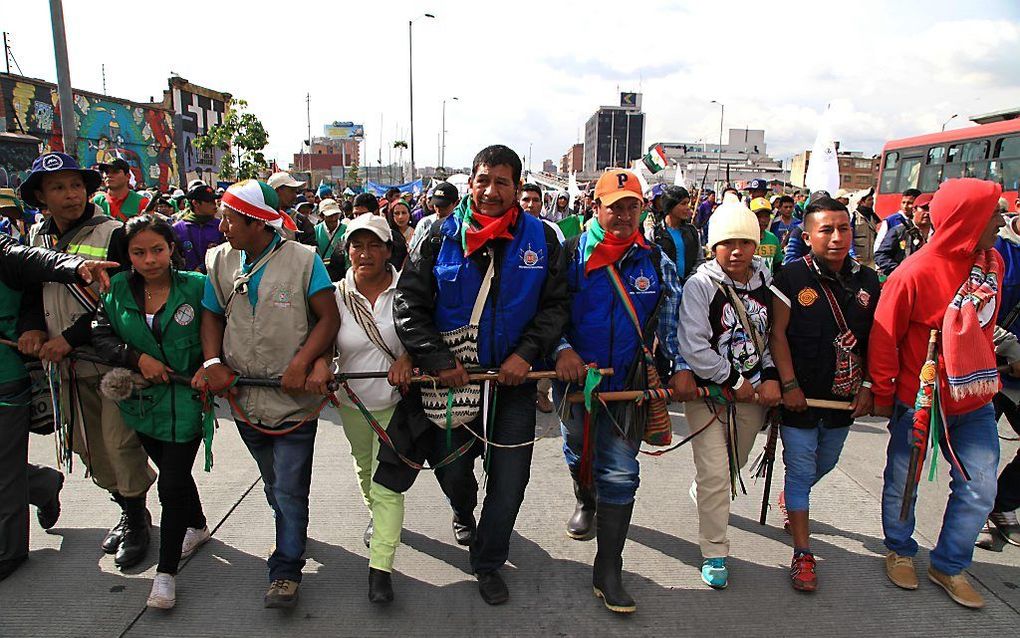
(714, 573)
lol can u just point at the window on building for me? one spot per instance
(862, 164)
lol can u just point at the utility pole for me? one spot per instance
(442, 153)
(7, 58)
(308, 110)
(68, 129)
(410, 83)
(103, 68)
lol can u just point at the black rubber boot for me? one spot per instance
(380, 586)
(135, 545)
(582, 524)
(607, 575)
(113, 538)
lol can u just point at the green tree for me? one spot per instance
(353, 181)
(241, 137)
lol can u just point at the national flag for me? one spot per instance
(655, 159)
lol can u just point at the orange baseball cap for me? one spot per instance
(616, 184)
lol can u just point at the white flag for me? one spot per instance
(679, 179)
(572, 190)
(823, 166)
(638, 167)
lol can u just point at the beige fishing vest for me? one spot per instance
(61, 307)
(261, 344)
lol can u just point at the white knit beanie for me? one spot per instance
(732, 220)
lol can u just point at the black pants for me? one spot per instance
(178, 496)
(1007, 498)
(509, 470)
(21, 483)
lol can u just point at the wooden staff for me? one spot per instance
(633, 395)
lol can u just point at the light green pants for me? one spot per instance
(387, 506)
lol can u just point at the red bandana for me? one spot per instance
(608, 249)
(482, 228)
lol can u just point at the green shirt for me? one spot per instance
(327, 242)
(770, 250)
(11, 366)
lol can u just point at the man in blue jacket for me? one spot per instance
(520, 324)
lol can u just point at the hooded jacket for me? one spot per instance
(915, 297)
(718, 350)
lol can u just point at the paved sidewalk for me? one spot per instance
(69, 588)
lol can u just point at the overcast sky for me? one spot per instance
(530, 72)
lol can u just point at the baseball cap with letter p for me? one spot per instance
(617, 184)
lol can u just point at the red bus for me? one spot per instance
(986, 151)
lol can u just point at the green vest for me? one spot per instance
(325, 244)
(11, 366)
(131, 206)
(164, 411)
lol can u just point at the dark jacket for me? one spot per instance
(899, 242)
(80, 332)
(813, 330)
(693, 254)
(414, 309)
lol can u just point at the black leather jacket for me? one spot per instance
(21, 265)
(414, 303)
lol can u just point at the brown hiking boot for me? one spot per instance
(958, 588)
(281, 594)
(900, 570)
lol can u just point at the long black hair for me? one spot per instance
(161, 227)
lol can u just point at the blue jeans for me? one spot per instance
(615, 466)
(809, 454)
(508, 473)
(285, 463)
(975, 439)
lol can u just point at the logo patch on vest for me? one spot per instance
(185, 315)
(282, 298)
(531, 258)
(863, 297)
(641, 284)
(807, 296)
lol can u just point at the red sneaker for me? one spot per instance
(802, 572)
(782, 510)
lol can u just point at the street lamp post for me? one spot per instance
(951, 118)
(718, 162)
(442, 152)
(68, 127)
(410, 81)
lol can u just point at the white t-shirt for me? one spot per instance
(359, 354)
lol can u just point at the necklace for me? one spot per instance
(148, 293)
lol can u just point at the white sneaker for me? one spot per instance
(163, 594)
(193, 539)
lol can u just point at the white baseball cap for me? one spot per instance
(276, 180)
(328, 207)
(374, 223)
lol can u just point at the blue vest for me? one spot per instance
(600, 329)
(513, 298)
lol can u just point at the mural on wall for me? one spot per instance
(16, 157)
(107, 129)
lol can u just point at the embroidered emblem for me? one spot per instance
(282, 298)
(52, 162)
(531, 258)
(185, 315)
(807, 296)
(187, 245)
(642, 283)
(863, 297)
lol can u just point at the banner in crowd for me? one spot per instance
(414, 187)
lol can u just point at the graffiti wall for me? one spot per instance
(17, 152)
(108, 128)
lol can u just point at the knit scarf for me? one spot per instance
(970, 367)
(604, 248)
(477, 229)
(190, 216)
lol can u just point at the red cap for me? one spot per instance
(923, 200)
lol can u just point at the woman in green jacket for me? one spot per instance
(149, 321)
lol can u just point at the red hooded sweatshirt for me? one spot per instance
(915, 297)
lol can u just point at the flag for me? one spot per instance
(572, 190)
(637, 167)
(655, 159)
(823, 166)
(679, 179)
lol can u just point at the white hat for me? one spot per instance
(328, 207)
(375, 223)
(276, 180)
(733, 220)
(195, 182)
